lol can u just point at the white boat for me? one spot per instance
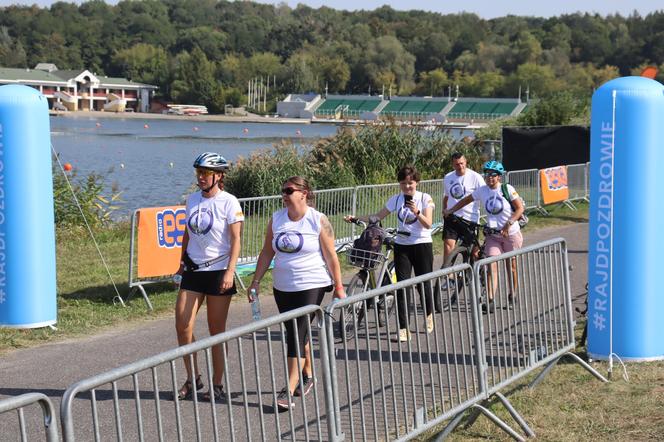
(115, 103)
(187, 109)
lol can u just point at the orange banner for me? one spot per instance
(554, 184)
(160, 233)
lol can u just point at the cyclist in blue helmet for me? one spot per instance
(210, 250)
(503, 208)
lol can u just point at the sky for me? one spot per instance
(483, 8)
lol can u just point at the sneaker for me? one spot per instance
(307, 383)
(429, 323)
(282, 400)
(404, 335)
(488, 307)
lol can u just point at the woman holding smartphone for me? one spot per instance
(413, 248)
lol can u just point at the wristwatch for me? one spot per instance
(510, 222)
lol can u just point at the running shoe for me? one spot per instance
(282, 400)
(307, 383)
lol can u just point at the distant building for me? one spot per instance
(81, 89)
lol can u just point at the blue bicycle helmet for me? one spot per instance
(212, 161)
(495, 166)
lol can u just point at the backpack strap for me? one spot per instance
(506, 194)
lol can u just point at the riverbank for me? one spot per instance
(254, 118)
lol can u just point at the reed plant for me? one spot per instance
(356, 155)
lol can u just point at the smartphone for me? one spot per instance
(407, 198)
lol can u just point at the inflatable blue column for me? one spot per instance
(27, 235)
(626, 239)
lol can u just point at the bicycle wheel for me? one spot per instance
(386, 302)
(353, 314)
(455, 282)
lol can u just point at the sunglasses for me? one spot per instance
(492, 174)
(204, 172)
(289, 190)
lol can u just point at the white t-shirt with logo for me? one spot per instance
(298, 258)
(407, 221)
(498, 209)
(459, 186)
(208, 221)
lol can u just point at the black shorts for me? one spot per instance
(206, 283)
(449, 232)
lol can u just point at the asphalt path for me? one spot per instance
(51, 368)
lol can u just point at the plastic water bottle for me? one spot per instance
(255, 305)
(177, 279)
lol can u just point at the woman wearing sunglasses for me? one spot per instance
(413, 248)
(210, 250)
(301, 241)
(502, 230)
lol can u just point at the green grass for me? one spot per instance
(85, 293)
(571, 405)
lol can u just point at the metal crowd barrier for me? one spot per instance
(368, 385)
(531, 324)
(18, 403)
(527, 184)
(577, 179)
(136, 401)
(384, 389)
(363, 200)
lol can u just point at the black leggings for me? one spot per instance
(418, 257)
(287, 301)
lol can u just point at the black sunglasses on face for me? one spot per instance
(491, 174)
(289, 190)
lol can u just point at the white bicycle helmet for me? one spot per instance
(211, 161)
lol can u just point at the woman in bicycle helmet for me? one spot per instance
(210, 250)
(413, 246)
(502, 230)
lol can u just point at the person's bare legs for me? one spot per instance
(493, 280)
(186, 307)
(448, 245)
(217, 314)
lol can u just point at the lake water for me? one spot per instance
(150, 161)
(152, 165)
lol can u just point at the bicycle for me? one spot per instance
(467, 250)
(375, 270)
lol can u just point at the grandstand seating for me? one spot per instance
(413, 108)
(416, 109)
(487, 110)
(350, 107)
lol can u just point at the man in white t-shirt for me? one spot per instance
(459, 183)
(502, 230)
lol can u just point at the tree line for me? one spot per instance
(207, 51)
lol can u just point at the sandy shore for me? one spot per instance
(249, 118)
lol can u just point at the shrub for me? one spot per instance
(264, 171)
(95, 207)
